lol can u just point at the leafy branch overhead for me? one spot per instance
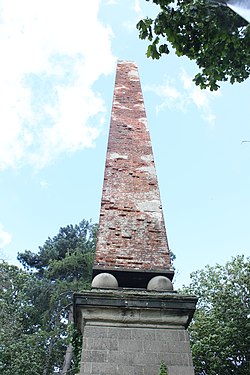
(213, 35)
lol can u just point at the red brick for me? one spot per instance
(131, 232)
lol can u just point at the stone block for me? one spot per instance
(130, 370)
(95, 331)
(174, 359)
(190, 359)
(86, 367)
(145, 359)
(151, 369)
(166, 347)
(143, 334)
(180, 370)
(94, 356)
(147, 315)
(105, 369)
(118, 332)
(84, 343)
(130, 346)
(125, 358)
(168, 335)
(101, 344)
(183, 335)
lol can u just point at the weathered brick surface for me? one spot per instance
(131, 234)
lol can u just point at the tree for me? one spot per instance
(66, 250)
(35, 303)
(220, 331)
(23, 344)
(213, 35)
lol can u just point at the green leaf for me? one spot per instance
(214, 36)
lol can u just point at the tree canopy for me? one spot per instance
(35, 302)
(65, 256)
(220, 330)
(213, 35)
(23, 340)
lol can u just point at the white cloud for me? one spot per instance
(44, 184)
(111, 2)
(182, 97)
(5, 237)
(137, 8)
(201, 98)
(170, 96)
(130, 24)
(52, 52)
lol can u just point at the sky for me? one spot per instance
(58, 61)
(242, 7)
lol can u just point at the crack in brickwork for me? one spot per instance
(132, 233)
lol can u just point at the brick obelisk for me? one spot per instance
(132, 320)
(132, 243)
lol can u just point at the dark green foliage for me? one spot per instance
(163, 369)
(213, 35)
(35, 303)
(172, 256)
(23, 342)
(63, 250)
(31, 324)
(76, 340)
(220, 331)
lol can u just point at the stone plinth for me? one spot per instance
(131, 332)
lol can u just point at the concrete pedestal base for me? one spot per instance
(131, 332)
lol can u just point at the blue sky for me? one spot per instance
(56, 84)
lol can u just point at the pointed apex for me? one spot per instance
(132, 243)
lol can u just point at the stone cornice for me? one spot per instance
(134, 308)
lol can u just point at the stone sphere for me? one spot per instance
(160, 283)
(104, 281)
